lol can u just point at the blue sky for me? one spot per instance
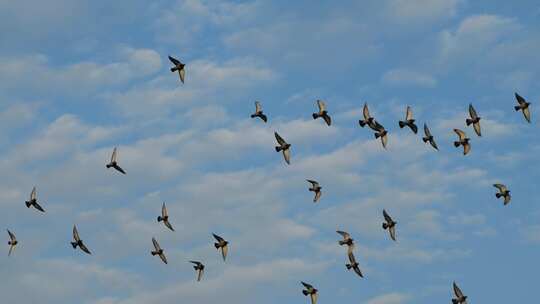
(80, 77)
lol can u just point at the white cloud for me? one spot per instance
(406, 77)
(421, 11)
(390, 298)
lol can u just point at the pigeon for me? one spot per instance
(503, 192)
(390, 225)
(259, 112)
(429, 138)
(463, 141)
(165, 217)
(311, 291)
(322, 113)
(221, 243)
(315, 187)
(474, 120)
(523, 105)
(409, 121)
(114, 162)
(381, 132)
(33, 201)
(199, 268)
(368, 120)
(460, 298)
(347, 240)
(12, 242)
(354, 265)
(158, 251)
(78, 241)
(283, 146)
(178, 66)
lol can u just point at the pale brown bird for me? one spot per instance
(322, 113)
(199, 268)
(178, 66)
(463, 141)
(368, 120)
(33, 201)
(12, 242)
(315, 187)
(259, 112)
(523, 106)
(429, 138)
(78, 241)
(460, 298)
(347, 240)
(158, 251)
(382, 133)
(221, 244)
(354, 265)
(164, 217)
(311, 291)
(114, 162)
(503, 192)
(284, 147)
(389, 224)
(474, 120)
(409, 121)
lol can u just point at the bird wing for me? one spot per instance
(156, 244)
(182, 73)
(384, 140)
(279, 139)
(344, 234)
(520, 99)
(195, 262)
(258, 107)
(113, 155)
(366, 112)
(75, 234)
(426, 131)
(218, 238)
(408, 115)
(433, 144)
(306, 285)
(11, 236)
(457, 291)
(321, 105)
(168, 225)
(476, 126)
(313, 298)
(164, 210)
(11, 248)
(317, 196)
(163, 257)
(84, 248)
(327, 119)
(200, 274)
(386, 216)
(352, 259)
(461, 134)
(501, 187)
(120, 169)
(507, 199)
(174, 60)
(392, 232)
(472, 112)
(313, 183)
(378, 126)
(33, 194)
(38, 207)
(224, 251)
(466, 148)
(527, 114)
(287, 156)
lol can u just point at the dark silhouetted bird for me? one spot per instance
(322, 112)
(368, 120)
(460, 298)
(429, 138)
(315, 187)
(33, 201)
(199, 268)
(114, 162)
(78, 241)
(503, 192)
(381, 132)
(354, 265)
(347, 240)
(463, 141)
(389, 224)
(474, 120)
(178, 66)
(409, 121)
(221, 244)
(165, 217)
(523, 106)
(259, 112)
(311, 291)
(284, 147)
(158, 251)
(12, 242)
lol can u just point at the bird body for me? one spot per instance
(368, 120)
(78, 242)
(463, 141)
(315, 187)
(353, 264)
(474, 120)
(389, 224)
(460, 297)
(259, 112)
(12, 242)
(178, 66)
(32, 202)
(221, 244)
(311, 291)
(347, 240)
(284, 147)
(503, 192)
(429, 138)
(114, 162)
(164, 217)
(199, 268)
(409, 121)
(322, 112)
(158, 251)
(380, 132)
(523, 106)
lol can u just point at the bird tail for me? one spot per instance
(315, 115)
(454, 301)
(278, 149)
(362, 123)
(517, 108)
(342, 243)
(264, 118)
(253, 115)
(349, 266)
(74, 245)
(498, 195)
(28, 204)
(174, 69)
(154, 252)
(468, 121)
(159, 219)
(401, 124)
(377, 135)
(425, 139)
(9, 243)
(385, 226)
(108, 166)
(305, 292)
(216, 245)
(457, 143)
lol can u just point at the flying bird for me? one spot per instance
(503, 192)
(284, 147)
(463, 141)
(354, 265)
(368, 120)
(178, 66)
(164, 217)
(315, 187)
(114, 162)
(381, 132)
(523, 106)
(409, 121)
(474, 120)
(322, 112)
(347, 240)
(460, 298)
(33, 201)
(78, 241)
(12, 242)
(259, 112)
(199, 268)
(221, 243)
(158, 251)
(389, 224)
(311, 291)
(429, 138)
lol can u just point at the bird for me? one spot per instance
(381, 132)
(474, 120)
(12, 242)
(463, 141)
(347, 240)
(460, 298)
(523, 106)
(114, 162)
(503, 192)
(311, 291)
(158, 251)
(165, 217)
(259, 112)
(199, 268)
(221, 243)
(178, 66)
(78, 241)
(429, 138)
(389, 224)
(315, 187)
(368, 120)
(322, 112)
(354, 265)
(33, 201)
(409, 121)
(284, 147)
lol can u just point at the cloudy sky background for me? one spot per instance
(80, 77)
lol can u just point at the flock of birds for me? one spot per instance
(285, 148)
